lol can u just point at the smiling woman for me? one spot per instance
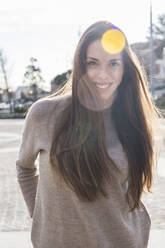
(97, 149)
(105, 71)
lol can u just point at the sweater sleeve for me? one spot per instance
(28, 180)
(26, 162)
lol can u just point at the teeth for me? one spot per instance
(102, 86)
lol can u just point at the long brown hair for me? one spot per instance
(78, 152)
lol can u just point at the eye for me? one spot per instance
(92, 63)
(115, 64)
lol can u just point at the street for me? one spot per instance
(14, 215)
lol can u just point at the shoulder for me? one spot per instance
(44, 108)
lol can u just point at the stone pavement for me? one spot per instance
(14, 220)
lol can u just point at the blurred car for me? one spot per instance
(22, 107)
(4, 106)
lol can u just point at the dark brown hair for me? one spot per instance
(78, 152)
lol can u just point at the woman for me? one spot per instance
(95, 143)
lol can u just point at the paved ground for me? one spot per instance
(15, 240)
(14, 215)
(22, 239)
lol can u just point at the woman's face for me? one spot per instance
(105, 72)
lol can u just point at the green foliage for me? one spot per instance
(20, 109)
(160, 102)
(158, 30)
(62, 78)
(32, 75)
(33, 78)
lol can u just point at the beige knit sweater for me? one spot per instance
(59, 218)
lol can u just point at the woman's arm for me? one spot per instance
(25, 165)
(28, 180)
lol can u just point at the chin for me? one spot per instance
(107, 98)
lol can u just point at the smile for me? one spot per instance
(103, 86)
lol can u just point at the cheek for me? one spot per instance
(118, 77)
(91, 74)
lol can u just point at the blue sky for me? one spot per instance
(48, 30)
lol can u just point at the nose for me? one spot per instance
(103, 75)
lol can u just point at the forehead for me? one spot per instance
(96, 50)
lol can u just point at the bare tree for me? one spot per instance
(3, 63)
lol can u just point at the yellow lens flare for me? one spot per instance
(113, 41)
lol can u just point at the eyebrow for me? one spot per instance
(109, 60)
